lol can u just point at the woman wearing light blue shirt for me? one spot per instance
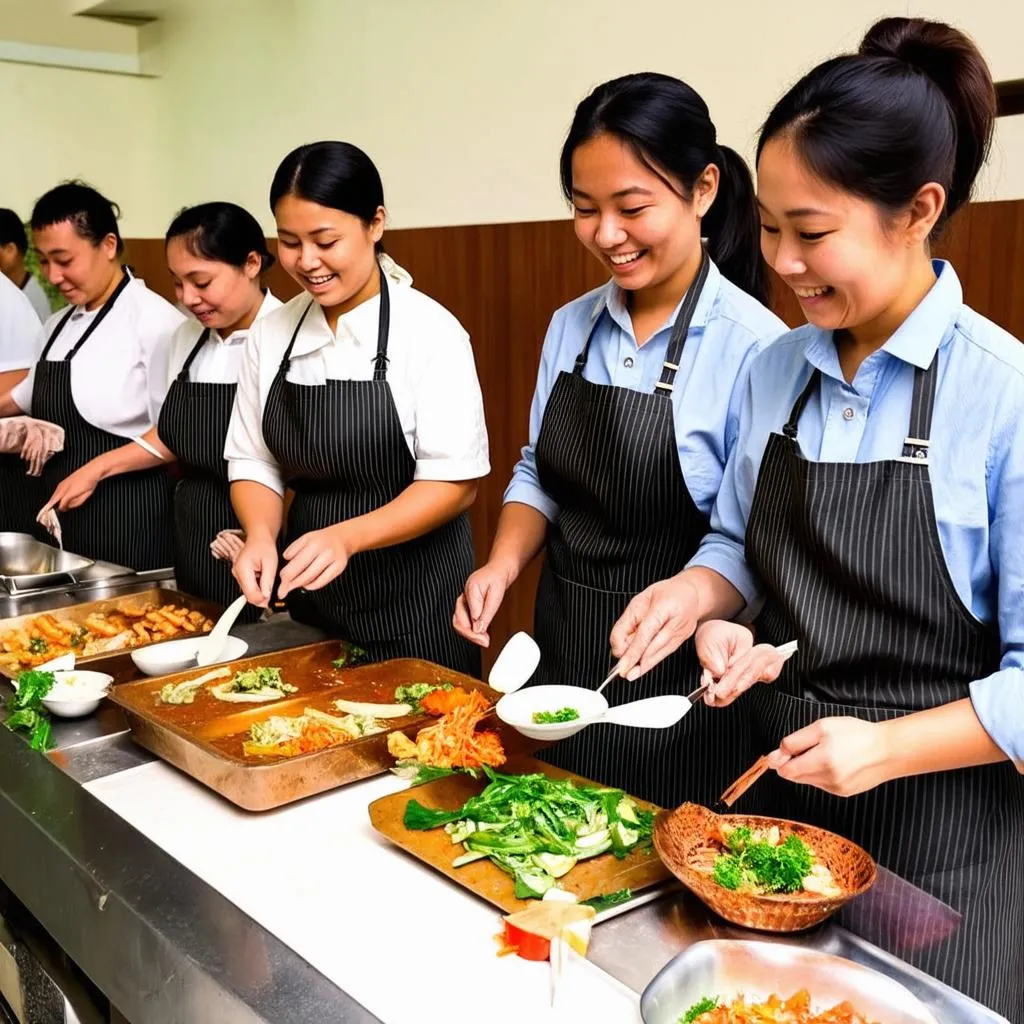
(634, 415)
(871, 508)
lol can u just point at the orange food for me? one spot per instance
(440, 702)
(774, 1010)
(453, 742)
(315, 735)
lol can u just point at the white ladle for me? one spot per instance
(211, 646)
(515, 664)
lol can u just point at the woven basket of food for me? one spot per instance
(764, 873)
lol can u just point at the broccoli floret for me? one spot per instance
(695, 1012)
(728, 871)
(738, 839)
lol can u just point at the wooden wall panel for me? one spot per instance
(503, 281)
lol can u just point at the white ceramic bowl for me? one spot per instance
(517, 710)
(77, 693)
(180, 655)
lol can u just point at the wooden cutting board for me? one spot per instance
(595, 877)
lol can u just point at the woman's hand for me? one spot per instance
(655, 624)
(479, 602)
(76, 489)
(255, 569)
(727, 650)
(314, 560)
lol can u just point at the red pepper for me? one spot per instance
(526, 944)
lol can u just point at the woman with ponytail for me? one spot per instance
(634, 415)
(871, 508)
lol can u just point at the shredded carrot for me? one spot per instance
(453, 743)
(440, 702)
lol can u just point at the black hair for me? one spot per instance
(668, 127)
(91, 214)
(12, 230)
(914, 105)
(334, 174)
(220, 231)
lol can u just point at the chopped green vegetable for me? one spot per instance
(417, 773)
(260, 678)
(37, 645)
(413, 693)
(759, 864)
(78, 638)
(350, 656)
(551, 717)
(738, 839)
(611, 899)
(706, 1005)
(537, 828)
(26, 709)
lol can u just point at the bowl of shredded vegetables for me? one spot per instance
(763, 873)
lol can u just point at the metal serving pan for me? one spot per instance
(26, 562)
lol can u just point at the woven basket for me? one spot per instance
(684, 841)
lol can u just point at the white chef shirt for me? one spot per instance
(112, 379)
(21, 334)
(33, 291)
(431, 372)
(217, 362)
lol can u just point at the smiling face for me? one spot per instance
(644, 231)
(80, 270)
(330, 253)
(849, 265)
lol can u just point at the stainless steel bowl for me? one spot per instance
(725, 969)
(26, 562)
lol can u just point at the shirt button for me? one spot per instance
(628, 362)
(848, 413)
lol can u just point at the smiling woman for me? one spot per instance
(361, 395)
(634, 415)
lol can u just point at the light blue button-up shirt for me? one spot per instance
(728, 328)
(976, 460)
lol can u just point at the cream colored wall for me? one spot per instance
(463, 104)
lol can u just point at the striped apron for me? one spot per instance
(193, 424)
(343, 452)
(127, 520)
(609, 457)
(852, 566)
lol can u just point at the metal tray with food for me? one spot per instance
(103, 633)
(268, 730)
(581, 837)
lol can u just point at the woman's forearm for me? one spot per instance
(519, 538)
(260, 509)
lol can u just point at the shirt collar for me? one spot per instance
(917, 339)
(611, 297)
(353, 328)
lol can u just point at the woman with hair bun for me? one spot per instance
(634, 416)
(95, 377)
(217, 255)
(872, 507)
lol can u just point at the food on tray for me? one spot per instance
(763, 861)
(350, 656)
(129, 625)
(254, 686)
(529, 932)
(185, 693)
(25, 708)
(537, 828)
(552, 717)
(281, 736)
(357, 707)
(774, 1010)
(413, 693)
(452, 741)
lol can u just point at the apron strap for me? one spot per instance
(380, 360)
(105, 309)
(286, 359)
(800, 404)
(203, 338)
(915, 445)
(681, 328)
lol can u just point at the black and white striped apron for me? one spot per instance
(193, 424)
(20, 499)
(343, 451)
(851, 561)
(128, 518)
(609, 457)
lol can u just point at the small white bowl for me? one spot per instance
(77, 693)
(180, 655)
(517, 710)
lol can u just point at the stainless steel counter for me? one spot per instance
(154, 937)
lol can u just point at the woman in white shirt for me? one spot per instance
(217, 255)
(21, 339)
(94, 377)
(361, 395)
(13, 249)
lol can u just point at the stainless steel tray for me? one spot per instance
(726, 968)
(26, 562)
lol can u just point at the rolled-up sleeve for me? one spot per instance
(525, 486)
(999, 698)
(246, 452)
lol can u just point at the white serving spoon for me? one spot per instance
(211, 646)
(515, 664)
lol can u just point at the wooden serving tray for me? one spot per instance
(595, 877)
(204, 739)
